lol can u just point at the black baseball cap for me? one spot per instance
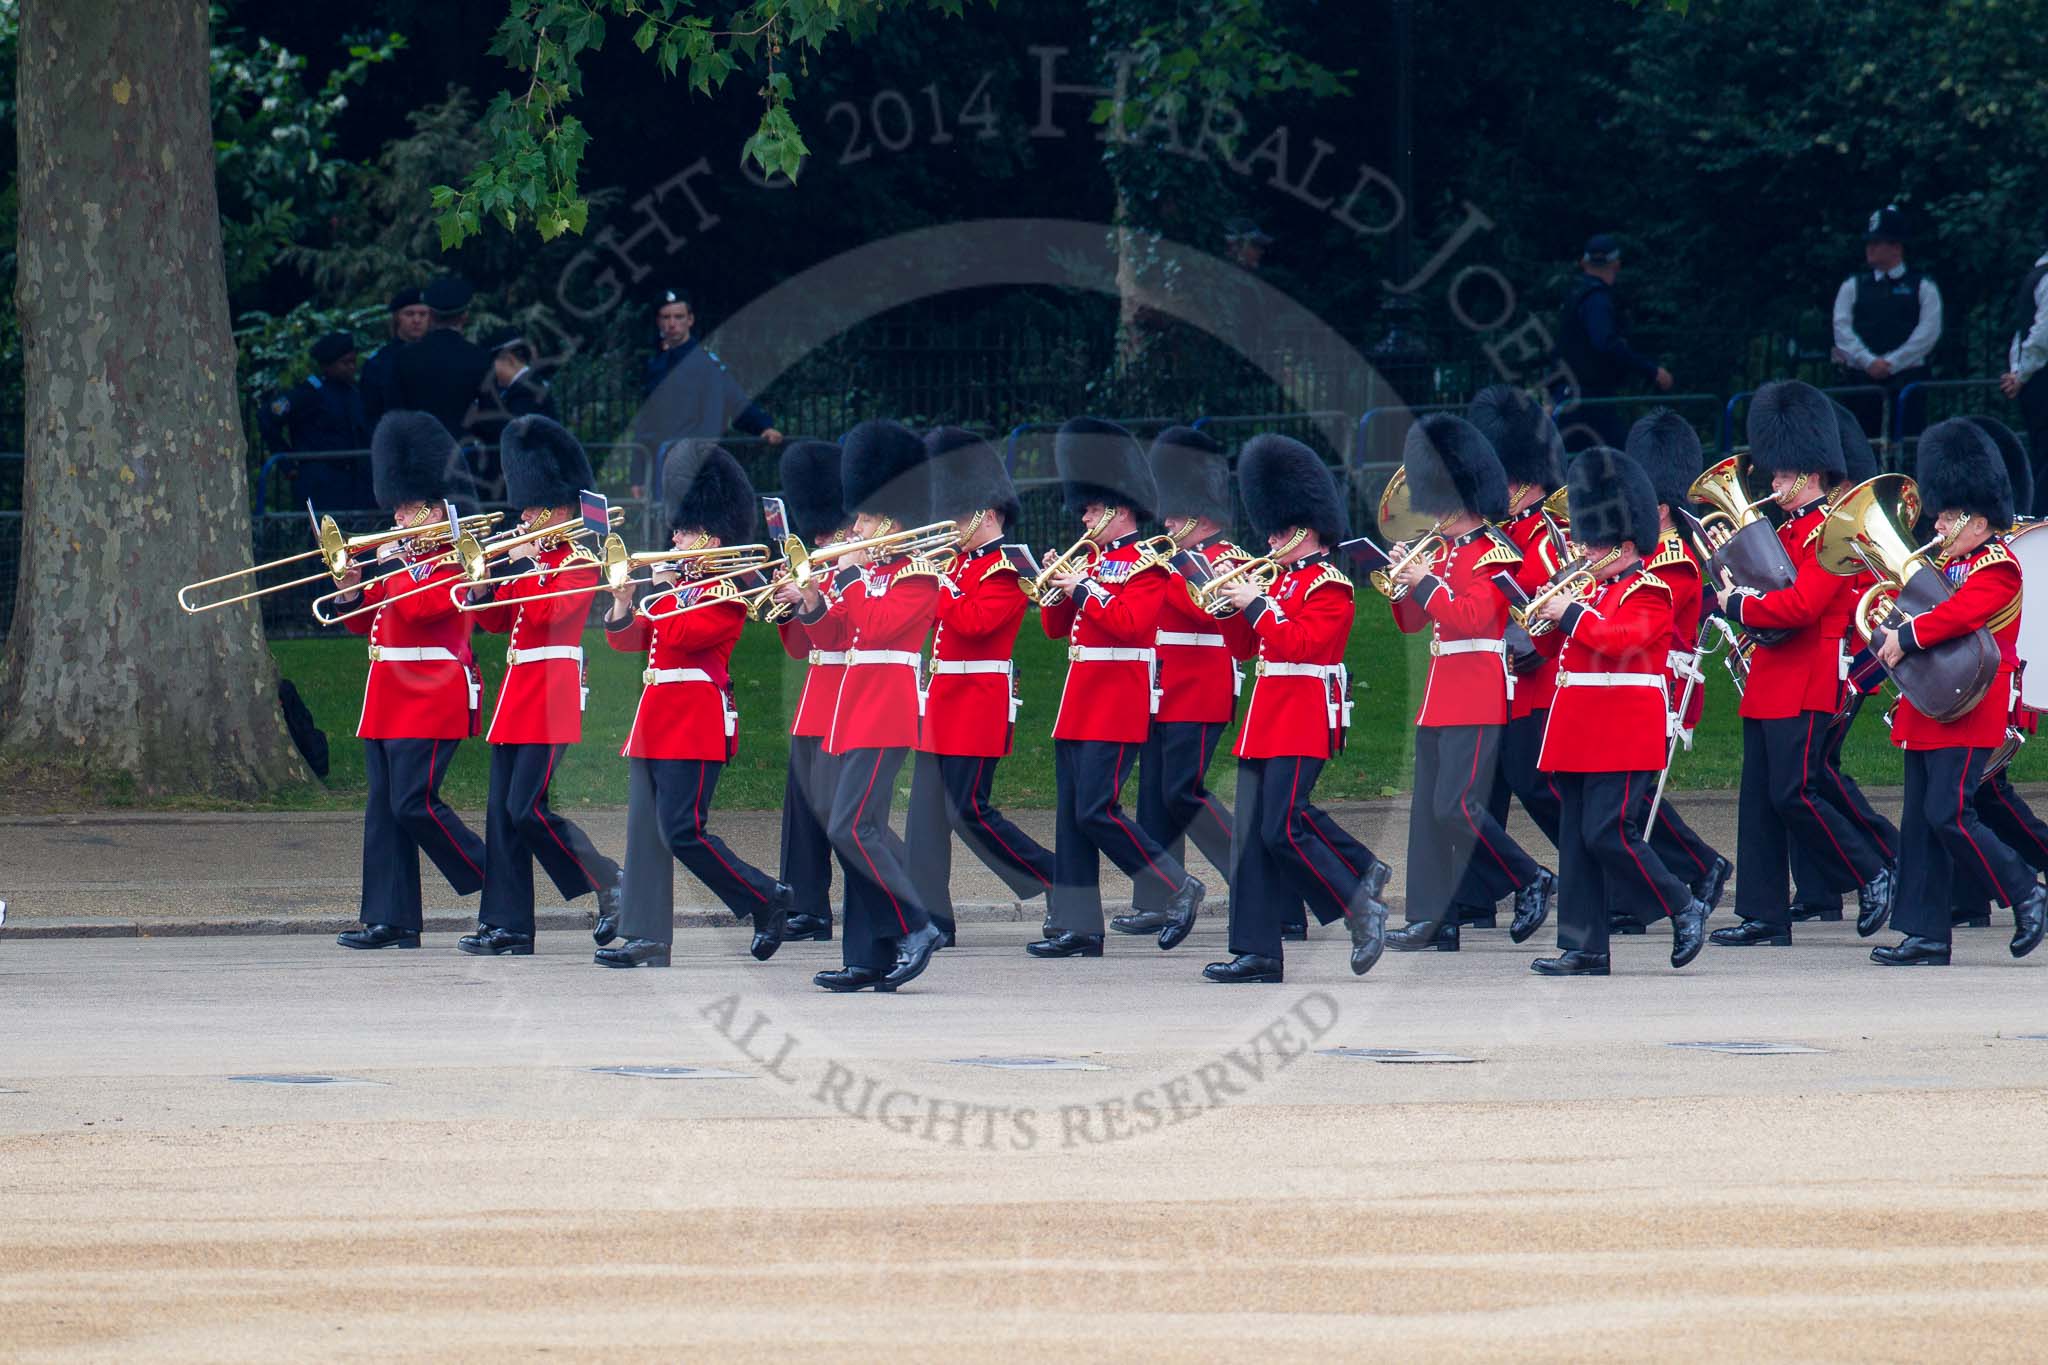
(333, 347)
(449, 294)
(1601, 248)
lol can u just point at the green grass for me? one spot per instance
(1387, 667)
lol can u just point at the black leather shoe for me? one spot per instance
(1245, 967)
(1626, 924)
(1911, 951)
(1294, 933)
(1874, 903)
(913, 955)
(852, 979)
(1970, 919)
(1572, 964)
(1138, 922)
(2029, 919)
(1066, 945)
(1477, 917)
(805, 928)
(1187, 903)
(1803, 912)
(1751, 932)
(379, 936)
(634, 952)
(1689, 933)
(1047, 928)
(611, 900)
(1368, 926)
(491, 941)
(771, 923)
(949, 934)
(1707, 890)
(1416, 937)
(1532, 902)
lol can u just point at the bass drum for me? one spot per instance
(2029, 544)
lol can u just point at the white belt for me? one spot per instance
(904, 657)
(1181, 637)
(828, 656)
(405, 654)
(1096, 654)
(1565, 679)
(1499, 647)
(541, 655)
(655, 677)
(1339, 706)
(939, 666)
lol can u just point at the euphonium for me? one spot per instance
(1725, 488)
(1743, 550)
(1399, 521)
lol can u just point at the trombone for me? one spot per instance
(472, 555)
(615, 565)
(736, 568)
(336, 552)
(1209, 597)
(1399, 520)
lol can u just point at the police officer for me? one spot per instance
(686, 393)
(1887, 322)
(514, 389)
(1592, 345)
(2026, 356)
(324, 412)
(444, 373)
(410, 318)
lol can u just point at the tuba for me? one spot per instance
(1869, 530)
(1743, 550)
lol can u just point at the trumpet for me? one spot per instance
(615, 565)
(336, 552)
(1400, 521)
(1209, 597)
(1575, 581)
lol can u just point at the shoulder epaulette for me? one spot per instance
(1503, 551)
(1002, 565)
(1994, 553)
(1330, 573)
(1645, 580)
(1148, 558)
(1672, 554)
(1814, 534)
(1230, 552)
(919, 566)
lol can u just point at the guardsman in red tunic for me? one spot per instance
(1605, 740)
(880, 612)
(1108, 612)
(811, 496)
(1668, 449)
(1795, 687)
(1530, 452)
(1960, 474)
(1198, 676)
(421, 698)
(1289, 852)
(970, 702)
(1813, 896)
(540, 702)
(1454, 475)
(685, 729)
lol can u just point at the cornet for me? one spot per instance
(1400, 522)
(1209, 596)
(337, 554)
(1576, 580)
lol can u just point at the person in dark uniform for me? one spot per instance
(514, 389)
(410, 318)
(444, 373)
(686, 393)
(324, 411)
(1887, 322)
(1593, 346)
(2025, 358)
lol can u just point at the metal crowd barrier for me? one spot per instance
(1930, 395)
(1881, 440)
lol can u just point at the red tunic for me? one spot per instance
(684, 716)
(410, 697)
(1108, 696)
(1530, 533)
(1680, 572)
(820, 695)
(1198, 676)
(1987, 593)
(1608, 716)
(1468, 676)
(1301, 695)
(542, 697)
(1805, 672)
(969, 704)
(880, 618)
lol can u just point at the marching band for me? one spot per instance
(1570, 607)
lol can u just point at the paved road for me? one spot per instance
(1218, 1182)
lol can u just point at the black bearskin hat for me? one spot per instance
(883, 471)
(1192, 471)
(706, 490)
(1452, 468)
(1612, 500)
(1099, 461)
(1287, 484)
(2018, 472)
(414, 459)
(1792, 430)
(810, 489)
(1522, 434)
(1668, 449)
(1859, 461)
(968, 474)
(1960, 469)
(544, 465)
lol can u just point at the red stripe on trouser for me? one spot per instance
(546, 780)
(1465, 806)
(1621, 833)
(1293, 796)
(1664, 814)
(1116, 786)
(697, 806)
(433, 760)
(1202, 785)
(874, 874)
(1998, 790)
(1962, 804)
(1856, 814)
(980, 819)
(1805, 767)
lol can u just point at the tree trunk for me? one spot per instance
(135, 475)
